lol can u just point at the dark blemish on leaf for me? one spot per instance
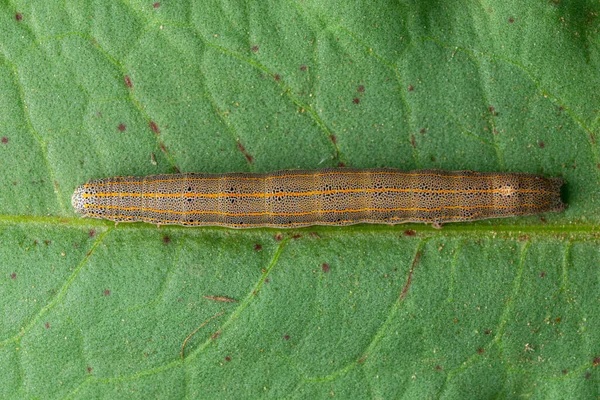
(267, 280)
(587, 375)
(410, 232)
(543, 219)
(254, 48)
(356, 100)
(13, 275)
(341, 164)
(438, 368)
(92, 233)
(106, 292)
(487, 331)
(333, 138)
(542, 274)
(154, 127)
(455, 320)
(156, 5)
(242, 149)
(215, 335)
(278, 237)
(596, 361)
(166, 239)
(286, 337)
(47, 325)
(47, 242)
(303, 68)
(122, 127)
(362, 359)
(296, 236)
(89, 370)
(257, 247)
(557, 320)
(227, 358)
(361, 89)
(480, 351)
(163, 148)
(511, 20)
(411, 88)
(561, 108)
(18, 16)
(541, 144)
(493, 111)
(564, 371)
(422, 131)
(325, 268)
(35, 242)
(4, 139)
(127, 80)
(315, 235)
(413, 142)
(277, 77)
(592, 138)
(410, 273)
(523, 238)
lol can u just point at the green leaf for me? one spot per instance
(499, 308)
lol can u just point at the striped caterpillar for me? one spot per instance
(296, 198)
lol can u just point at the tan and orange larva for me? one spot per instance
(296, 198)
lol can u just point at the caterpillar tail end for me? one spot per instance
(77, 200)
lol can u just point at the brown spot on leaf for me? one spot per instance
(13, 275)
(564, 371)
(325, 267)
(303, 68)
(89, 370)
(18, 16)
(422, 131)
(278, 237)
(480, 350)
(221, 299)
(438, 368)
(277, 77)
(215, 335)
(106, 292)
(122, 127)
(257, 247)
(92, 233)
(587, 375)
(166, 239)
(4, 139)
(511, 20)
(127, 80)
(47, 242)
(411, 88)
(154, 127)
(47, 325)
(341, 164)
(410, 232)
(254, 48)
(286, 337)
(596, 361)
(156, 5)
(227, 358)
(356, 100)
(487, 331)
(413, 142)
(410, 274)
(542, 145)
(333, 138)
(361, 89)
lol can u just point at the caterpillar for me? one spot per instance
(297, 198)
